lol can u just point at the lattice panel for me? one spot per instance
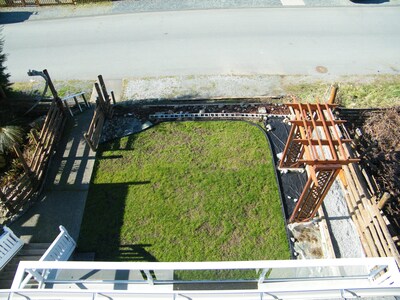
(294, 150)
(313, 195)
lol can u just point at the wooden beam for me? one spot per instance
(332, 96)
(317, 122)
(313, 105)
(329, 161)
(326, 131)
(104, 89)
(324, 142)
(313, 114)
(22, 159)
(54, 91)
(335, 131)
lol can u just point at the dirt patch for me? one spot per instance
(321, 69)
(230, 245)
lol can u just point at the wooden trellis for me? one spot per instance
(316, 143)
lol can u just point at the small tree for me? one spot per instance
(4, 76)
(9, 134)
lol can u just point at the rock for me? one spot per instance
(262, 110)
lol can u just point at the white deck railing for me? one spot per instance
(288, 279)
(10, 244)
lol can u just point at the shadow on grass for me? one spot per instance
(118, 144)
(136, 252)
(102, 222)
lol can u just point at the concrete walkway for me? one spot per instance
(63, 199)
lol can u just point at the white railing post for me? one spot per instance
(149, 277)
(262, 275)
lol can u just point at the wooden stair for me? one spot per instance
(31, 252)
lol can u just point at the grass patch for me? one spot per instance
(190, 191)
(375, 91)
(63, 88)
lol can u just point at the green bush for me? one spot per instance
(4, 76)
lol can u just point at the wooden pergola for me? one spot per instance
(316, 143)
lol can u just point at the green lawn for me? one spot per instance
(189, 191)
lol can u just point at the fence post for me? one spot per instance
(100, 100)
(54, 92)
(104, 89)
(332, 97)
(113, 97)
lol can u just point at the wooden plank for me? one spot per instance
(370, 183)
(43, 133)
(5, 203)
(329, 161)
(326, 237)
(113, 97)
(386, 233)
(368, 219)
(321, 142)
(379, 231)
(357, 223)
(325, 127)
(104, 90)
(35, 136)
(317, 122)
(335, 131)
(101, 101)
(332, 96)
(360, 211)
(312, 105)
(89, 142)
(22, 159)
(11, 192)
(384, 199)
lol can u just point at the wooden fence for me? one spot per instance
(103, 111)
(20, 192)
(367, 217)
(20, 3)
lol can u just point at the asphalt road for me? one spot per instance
(320, 41)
